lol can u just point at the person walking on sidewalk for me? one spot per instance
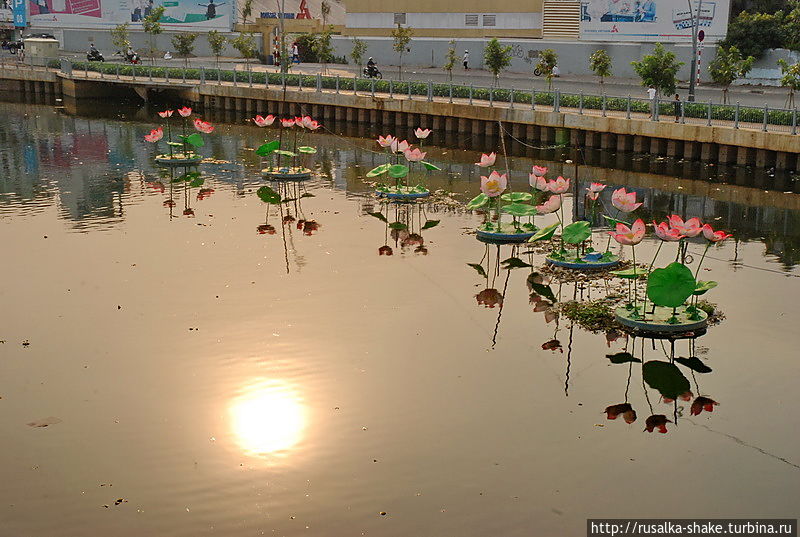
(466, 60)
(678, 106)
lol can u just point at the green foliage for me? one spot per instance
(670, 286)
(478, 201)
(323, 49)
(451, 59)
(358, 52)
(216, 42)
(183, 43)
(429, 166)
(728, 66)
(247, 10)
(152, 26)
(398, 171)
(790, 79)
(547, 62)
(496, 57)
(754, 33)
(600, 64)
(194, 140)
(594, 315)
(268, 148)
(519, 209)
(245, 45)
(517, 196)
(120, 37)
(576, 232)
(401, 37)
(666, 378)
(659, 70)
(546, 233)
(702, 288)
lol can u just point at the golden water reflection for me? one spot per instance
(268, 418)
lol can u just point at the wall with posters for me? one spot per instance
(195, 15)
(651, 20)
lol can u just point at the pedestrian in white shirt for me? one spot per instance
(651, 94)
(466, 60)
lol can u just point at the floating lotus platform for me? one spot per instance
(286, 173)
(662, 320)
(588, 261)
(505, 233)
(179, 159)
(403, 192)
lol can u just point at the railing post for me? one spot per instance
(766, 115)
(430, 91)
(736, 116)
(628, 108)
(511, 99)
(283, 80)
(117, 71)
(183, 72)
(408, 87)
(557, 101)
(133, 71)
(249, 77)
(299, 82)
(491, 96)
(533, 98)
(470, 93)
(372, 86)
(202, 75)
(683, 112)
(219, 76)
(235, 81)
(794, 121)
(656, 108)
(355, 85)
(451, 91)
(604, 105)
(391, 89)
(319, 83)
(709, 113)
(580, 104)
(337, 84)
(166, 73)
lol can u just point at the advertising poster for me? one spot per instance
(178, 14)
(211, 14)
(651, 20)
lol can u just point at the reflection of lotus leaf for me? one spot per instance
(397, 225)
(514, 262)
(545, 233)
(516, 196)
(478, 201)
(576, 232)
(430, 223)
(519, 209)
(622, 358)
(478, 268)
(694, 363)
(268, 195)
(670, 286)
(703, 287)
(666, 378)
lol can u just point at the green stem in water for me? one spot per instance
(633, 252)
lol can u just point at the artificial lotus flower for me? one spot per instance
(656, 420)
(666, 233)
(265, 121)
(185, 111)
(596, 187)
(627, 411)
(400, 147)
(494, 185)
(305, 121)
(489, 298)
(691, 228)
(714, 236)
(558, 186)
(703, 403)
(313, 125)
(385, 250)
(266, 229)
(166, 113)
(537, 181)
(592, 195)
(422, 133)
(550, 206)
(203, 126)
(487, 160)
(155, 135)
(287, 122)
(539, 171)
(685, 396)
(624, 201)
(386, 141)
(414, 155)
(629, 236)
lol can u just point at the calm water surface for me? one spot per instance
(201, 378)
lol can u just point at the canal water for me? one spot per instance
(174, 362)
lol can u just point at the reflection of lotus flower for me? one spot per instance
(385, 250)
(666, 233)
(550, 206)
(414, 155)
(558, 186)
(487, 160)
(399, 234)
(691, 228)
(611, 336)
(169, 203)
(400, 147)
(539, 171)
(156, 185)
(552, 345)
(413, 239)
(629, 236)
(287, 122)
(624, 201)
(685, 396)
(386, 141)
(264, 121)
(288, 219)
(494, 185)
(421, 250)
(188, 212)
(155, 135)
(165, 113)
(657, 420)
(538, 182)
(204, 193)
(185, 111)
(310, 226)
(628, 413)
(489, 298)
(714, 236)
(550, 315)
(422, 133)
(703, 403)
(203, 126)
(266, 229)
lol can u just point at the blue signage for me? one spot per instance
(20, 13)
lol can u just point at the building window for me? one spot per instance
(399, 18)
(471, 20)
(489, 20)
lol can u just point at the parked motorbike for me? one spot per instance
(372, 72)
(94, 56)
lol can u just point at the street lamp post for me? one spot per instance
(695, 27)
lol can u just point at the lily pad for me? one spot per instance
(577, 232)
(703, 287)
(694, 363)
(622, 358)
(666, 378)
(546, 233)
(516, 196)
(268, 195)
(175, 144)
(268, 148)
(670, 286)
(378, 170)
(519, 209)
(478, 201)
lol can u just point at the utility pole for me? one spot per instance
(695, 27)
(282, 42)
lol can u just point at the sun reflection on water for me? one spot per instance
(268, 419)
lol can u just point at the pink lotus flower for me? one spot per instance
(558, 186)
(624, 201)
(305, 121)
(691, 228)
(494, 185)
(596, 187)
(165, 113)
(422, 133)
(487, 160)
(185, 111)
(203, 126)
(550, 206)
(702, 403)
(264, 121)
(400, 147)
(666, 233)
(286, 123)
(313, 125)
(592, 195)
(538, 182)
(539, 171)
(629, 236)
(628, 413)
(658, 420)
(414, 155)
(714, 236)
(386, 141)
(155, 135)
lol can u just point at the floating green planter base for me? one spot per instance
(286, 173)
(587, 261)
(403, 192)
(179, 159)
(505, 233)
(662, 320)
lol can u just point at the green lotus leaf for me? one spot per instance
(268, 195)
(630, 273)
(478, 268)
(694, 363)
(622, 358)
(670, 286)
(379, 170)
(519, 209)
(268, 148)
(175, 144)
(285, 153)
(703, 287)
(478, 201)
(430, 223)
(306, 149)
(429, 166)
(398, 171)
(576, 232)
(187, 177)
(516, 196)
(546, 233)
(195, 140)
(614, 221)
(666, 378)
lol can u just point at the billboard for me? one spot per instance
(178, 14)
(651, 20)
